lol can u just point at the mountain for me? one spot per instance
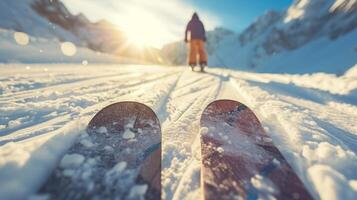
(51, 19)
(310, 36)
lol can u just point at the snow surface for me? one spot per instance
(45, 107)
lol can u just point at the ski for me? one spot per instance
(119, 157)
(239, 160)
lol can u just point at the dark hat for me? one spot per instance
(195, 15)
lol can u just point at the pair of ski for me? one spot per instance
(121, 157)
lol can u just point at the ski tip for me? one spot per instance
(117, 112)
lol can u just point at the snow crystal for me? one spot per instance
(220, 150)
(91, 161)
(102, 130)
(128, 134)
(132, 140)
(68, 172)
(276, 162)
(72, 161)
(86, 143)
(86, 174)
(267, 139)
(262, 184)
(129, 125)
(203, 130)
(140, 131)
(89, 164)
(138, 191)
(108, 149)
(117, 169)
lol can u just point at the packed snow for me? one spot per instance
(44, 109)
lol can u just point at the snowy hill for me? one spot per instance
(21, 48)
(311, 36)
(45, 108)
(50, 19)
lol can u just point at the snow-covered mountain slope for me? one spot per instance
(50, 19)
(311, 36)
(19, 15)
(45, 108)
(46, 19)
(22, 48)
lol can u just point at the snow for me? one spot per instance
(45, 107)
(138, 192)
(18, 47)
(71, 161)
(117, 169)
(87, 143)
(128, 134)
(308, 37)
(263, 185)
(102, 130)
(330, 183)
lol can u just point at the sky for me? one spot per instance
(158, 22)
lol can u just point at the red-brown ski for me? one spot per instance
(239, 160)
(121, 157)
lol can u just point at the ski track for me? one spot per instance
(44, 109)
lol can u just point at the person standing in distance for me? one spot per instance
(195, 34)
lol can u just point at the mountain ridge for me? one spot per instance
(52, 20)
(277, 35)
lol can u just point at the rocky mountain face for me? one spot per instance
(102, 35)
(304, 22)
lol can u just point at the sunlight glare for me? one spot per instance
(143, 29)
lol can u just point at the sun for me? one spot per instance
(138, 38)
(144, 29)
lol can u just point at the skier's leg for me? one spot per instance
(193, 53)
(203, 54)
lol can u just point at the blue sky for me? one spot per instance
(238, 14)
(157, 22)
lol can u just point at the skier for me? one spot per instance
(197, 38)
